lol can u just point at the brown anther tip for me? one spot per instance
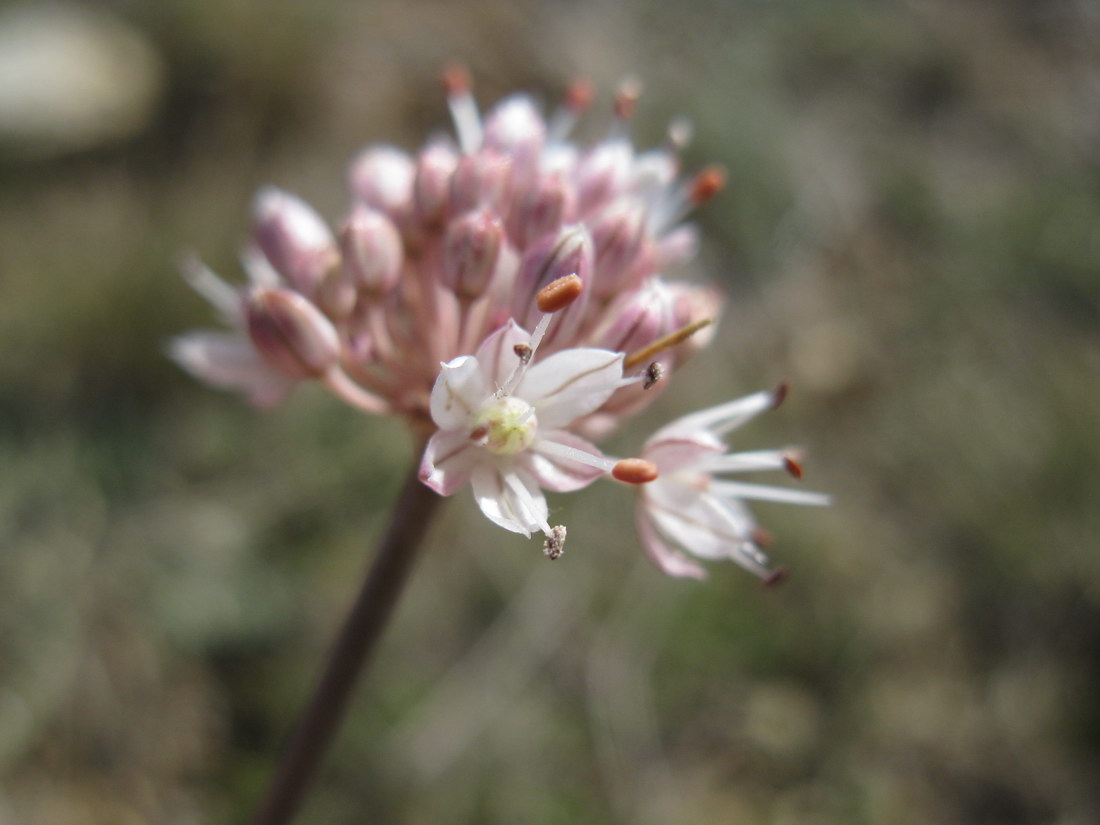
(626, 98)
(559, 294)
(793, 466)
(707, 184)
(634, 471)
(762, 537)
(779, 394)
(578, 96)
(776, 577)
(653, 373)
(523, 352)
(456, 79)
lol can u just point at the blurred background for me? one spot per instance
(911, 236)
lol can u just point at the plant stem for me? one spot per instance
(358, 638)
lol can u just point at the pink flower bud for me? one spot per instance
(372, 251)
(541, 209)
(514, 127)
(693, 303)
(481, 180)
(470, 253)
(434, 169)
(566, 252)
(603, 174)
(382, 178)
(620, 236)
(293, 238)
(638, 318)
(290, 333)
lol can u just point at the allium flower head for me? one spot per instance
(418, 302)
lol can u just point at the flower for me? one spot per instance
(689, 505)
(503, 425)
(417, 305)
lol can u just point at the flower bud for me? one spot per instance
(603, 174)
(372, 251)
(541, 210)
(293, 238)
(514, 127)
(470, 253)
(290, 333)
(638, 318)
(480, 180)
(566, 252)
(382, 178)
(620, 236)
(434, 169)
(693, 303)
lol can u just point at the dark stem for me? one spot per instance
(357, 640)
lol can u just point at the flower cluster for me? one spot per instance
(505, 292)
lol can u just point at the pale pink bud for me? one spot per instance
(372, 251)
(541, 210)
(290, 333)
(293, 238)
(514, 127)
(603, 174)
(638, 318)
(566, 252)
(382, 178)
(434, 169)
(693, 303)
(480, 180)
(619, 235)
(470, 253)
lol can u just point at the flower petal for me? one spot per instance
(497, 354)
(229, 361)
(674, 453)
(509, 498)
(458, 393)
(571, 383)
(672, 562)
(448, 461)
(720, 419)
(556, 472)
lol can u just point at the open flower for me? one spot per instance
(502, 425)
(688, 503)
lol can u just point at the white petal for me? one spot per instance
(689, 449)
(684, 515)
(720, 419)
(228, 360)
(764, 492)
(497, 355)
(509, 498)
(560, 473)
(458, 393)
(571, 383)
(672, 562)
(448, 461)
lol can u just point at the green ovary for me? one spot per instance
(509, 425)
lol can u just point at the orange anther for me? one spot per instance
(559, 294)
(634, 471)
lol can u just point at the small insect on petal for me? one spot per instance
(559, 294)
(635, 471)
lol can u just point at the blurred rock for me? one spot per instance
(71, 79)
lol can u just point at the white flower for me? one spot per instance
(502, 425)
(689, 505)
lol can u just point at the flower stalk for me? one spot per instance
(351, 653)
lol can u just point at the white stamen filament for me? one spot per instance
(560, 450)
(747, 462)
(763, 492)
(521, 366)
(467, 121)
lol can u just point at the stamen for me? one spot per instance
(556, 448)
(653, 373)
(779, 394)
(667, 342)
(464, 113)
(764, 492)
(559, 294)
(707, 184)
(578, 97)
(777, 577)
(793, 465)
(554, 545)
(635, 471)
(523, 352)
